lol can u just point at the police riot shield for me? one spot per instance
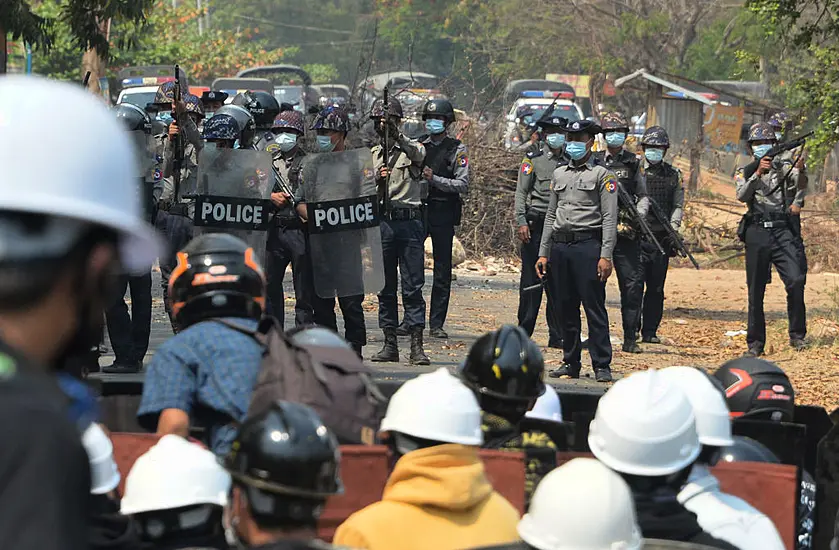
(148, 169)
(343, 221)
(234, 195)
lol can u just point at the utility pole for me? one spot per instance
(200, 17)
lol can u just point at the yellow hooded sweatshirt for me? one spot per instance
(437, 498)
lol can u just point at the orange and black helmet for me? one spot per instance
(217, 275)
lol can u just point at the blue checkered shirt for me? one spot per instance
(208, 371)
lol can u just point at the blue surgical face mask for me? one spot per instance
(759, 151)
(654, 155)
(208, 115)
(576, 149)
(325, 144)
(435, 126)
(286, 141)
(555, 141)
(615, 139)
(779, 136)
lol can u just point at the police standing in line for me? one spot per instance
(287, 239)
(403, 233)
(578, 240)
(627, 255)
(447, 173)
(532, 198)
(775, 195)
(664, 187)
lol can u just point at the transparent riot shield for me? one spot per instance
(234, 195)
(148, 170)
(343, 221)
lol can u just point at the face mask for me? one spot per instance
(654, 155)
(165, 117)
(435, 126)
(615, 139)
(325, 144)
(286, 141)
(759, 151)
(555, 141)
(576, 149)
(779, 136)
(208, 115)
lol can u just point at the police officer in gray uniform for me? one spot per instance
(627, 256)
(664, 187)
(775, 195)
(578, 240)
(532, 198)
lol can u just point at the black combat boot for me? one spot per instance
(418, 356)
(390, 351)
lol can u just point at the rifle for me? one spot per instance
(751, 168)
(284, 186)
(178, 161)
(86, 79)
(384, 189)
(628, 203)
(672, 235)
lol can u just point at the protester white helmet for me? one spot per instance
(435, 406)
(173, 474)
(104, 474)
(713, 423)
(644, 426)
(89, 178)
(547, 407)
(592, 490)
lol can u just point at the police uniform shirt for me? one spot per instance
(623, 156)
(289, 170)
(459, 164)
(764, 193)
(672, 199)
(405, 185)
(533, 188)
(189, 169)
(583, 198)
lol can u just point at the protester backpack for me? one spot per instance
(332, 381)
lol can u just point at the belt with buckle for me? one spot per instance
(404, 214)
(773, 224)
(574, 236)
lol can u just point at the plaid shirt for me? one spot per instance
(207, 371)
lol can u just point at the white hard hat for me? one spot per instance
(713, 423)
(173, 474)
(567, 498)
(547, 407)
(435, 406)
(644, 426)
(75, 164)
(104, 474)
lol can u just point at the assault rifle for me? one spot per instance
(178, 160)
(751, 168)
(626, 200)
(384, 189)
(672, 235)
(284, 186)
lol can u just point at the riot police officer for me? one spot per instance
(287, 240)
(532, 197)
(403, 231)
(284, 465)
(664, 186)
(264, 108)
(578, 239)
(627, 256)
(774, 194)
(213, 100)
(447, 173)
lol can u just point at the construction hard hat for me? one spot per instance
(88, 180)
(593, 491)
(104, 475)
(547, 407)
(713, 424)
(435, 406)
(644, 426)
(173, 474)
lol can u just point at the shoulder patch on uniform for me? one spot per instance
(611, 183)
(158, 175)
(526, 167)
(461, 160)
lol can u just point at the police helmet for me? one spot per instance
(756, 388)
(779, 121)
(287, 461)
(332, 118)
(245, 121)
(506, 365)
(263, 106)
(614, 121)
(217, 275)
(438, 107)
(193, 104)
(221, 126)
(552, 122)
(655, 136)
(133, 118)
(761, 131)
(746, 449)
(165, 94)
(289, 120)
(394, 108)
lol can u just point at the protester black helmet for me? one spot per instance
(505, 364)
(263, 106)
(217, 275)
(394, 108)
(245, 121)
(221, 127)
(438, 107)
(756, 388)
(133, 118)
(655, 136)
(746, 449)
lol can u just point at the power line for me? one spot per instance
(289, 25)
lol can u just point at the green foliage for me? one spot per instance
(322, 73)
